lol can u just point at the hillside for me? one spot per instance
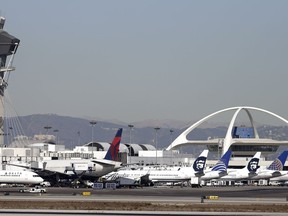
(72, 131)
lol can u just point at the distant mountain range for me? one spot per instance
(72, 131)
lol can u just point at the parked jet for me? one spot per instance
(283, 178)
(245, 173)
(164, 174)
(19, 177)
(81, 168)
(274, 170)
(219, 170)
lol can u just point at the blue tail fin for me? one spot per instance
(200, 162)
(222, 164)
(112, 152)
(279, 162)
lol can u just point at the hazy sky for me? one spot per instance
(154, 59)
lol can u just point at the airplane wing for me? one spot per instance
(276, 174)
(272, 173)
(106, 162)
(40, 171)
(24, 166)
(223, 173)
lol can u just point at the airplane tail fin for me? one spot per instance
(222, 164)
(279, 162)
(253, 164)
(113, 150)
(200, 162)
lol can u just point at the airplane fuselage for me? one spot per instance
(157, 175)
(19, 177)
(82, 167)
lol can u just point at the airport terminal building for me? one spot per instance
(244, 141)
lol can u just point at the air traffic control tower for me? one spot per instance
(8, 48)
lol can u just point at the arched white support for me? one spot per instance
(252, 123)
(228, 137)
(182, 138)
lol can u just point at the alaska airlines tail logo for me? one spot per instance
(114, 147)
(199, 164)
(253, 165)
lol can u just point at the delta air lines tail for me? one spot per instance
(112, 153)
(110, 159)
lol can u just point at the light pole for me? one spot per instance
(78, 133)
(171, 131)
(130, 140)
(47, 129)
(156, 136)
(11, 135)
(56, 131)
(92, 123)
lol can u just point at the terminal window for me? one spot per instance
(243, 132)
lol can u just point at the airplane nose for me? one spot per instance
(40, 179)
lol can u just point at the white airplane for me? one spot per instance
(245, 173)
(274, 170)
(282, 178)
(219, 170)
(19, 177)
(82, 168)
(164, 175)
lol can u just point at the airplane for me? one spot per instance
(245, 173)
(19, 177)
(219, 170)
(88, 169)
(283, 178)
(159, 174)
(275, 169)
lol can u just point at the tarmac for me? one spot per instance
(172, 200)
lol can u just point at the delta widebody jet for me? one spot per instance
(82, 168)
(19, 177)
(181, 174)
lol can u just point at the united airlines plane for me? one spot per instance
(274, 170)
